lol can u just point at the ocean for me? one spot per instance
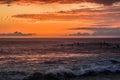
(59, 58)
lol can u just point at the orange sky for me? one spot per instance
(59, 19)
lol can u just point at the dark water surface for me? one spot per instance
(31, 55)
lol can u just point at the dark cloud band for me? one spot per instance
(85, 28)
(99, 31)
(105, 2)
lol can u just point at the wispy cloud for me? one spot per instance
(98, 9)
(107, 13)
(54, 16)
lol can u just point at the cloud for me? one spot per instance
(79, 34)
(16, 34)
(106, 13)
(102, 31)
(105, 2)
(94, 10)
(107, 32)
(105, 16)
(74, 16)
(100, 25)
(55, 17)
(88, 28)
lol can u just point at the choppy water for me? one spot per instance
(22, 57)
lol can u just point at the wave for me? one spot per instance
(96, 68)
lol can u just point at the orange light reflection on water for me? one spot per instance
(39, 58)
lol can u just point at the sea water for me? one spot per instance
(22, 57)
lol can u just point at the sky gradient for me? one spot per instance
(60, 18)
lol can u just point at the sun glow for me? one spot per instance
(55, 18)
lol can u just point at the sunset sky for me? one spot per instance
(59, 18)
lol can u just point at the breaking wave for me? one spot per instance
(96, 68)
